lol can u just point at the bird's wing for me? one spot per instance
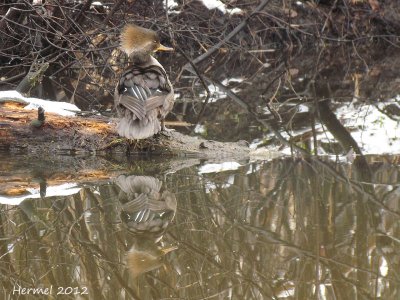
(143, 89)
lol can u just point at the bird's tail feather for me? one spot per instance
(138, 129)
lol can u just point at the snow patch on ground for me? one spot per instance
(170, 4)
(212, 4)
(60, 108)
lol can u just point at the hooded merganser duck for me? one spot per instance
(144, 95)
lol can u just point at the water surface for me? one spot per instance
(288, 228)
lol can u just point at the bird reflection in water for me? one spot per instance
(147, 212)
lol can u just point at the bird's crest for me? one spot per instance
(135, 38)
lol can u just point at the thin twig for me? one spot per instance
(202, 80)
(228, 37)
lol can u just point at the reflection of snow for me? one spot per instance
(211, 4)
(214, 168)
(253, 168)
(303, 108)
(300, 108)
(65, 189)
(383, 268)
(200, 129)
(287, 291)
(226, 81)
(61, 108)
(374, 131)
(209, 185)
(378, 133)
(217, 93)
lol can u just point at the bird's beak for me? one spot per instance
(164, 48)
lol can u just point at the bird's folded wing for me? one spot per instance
(136, 106)
(155, 102)
(140, 108)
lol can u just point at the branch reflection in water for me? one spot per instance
(285, 228)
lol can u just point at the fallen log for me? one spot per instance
(21, 131)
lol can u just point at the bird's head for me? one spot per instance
(136, 39)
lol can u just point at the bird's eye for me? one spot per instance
(155, 42)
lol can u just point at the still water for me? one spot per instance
(287, 228)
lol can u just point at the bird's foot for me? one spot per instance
(165, 129)
(166, 132)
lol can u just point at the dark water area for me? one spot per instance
(357, 84)
(287, 228)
